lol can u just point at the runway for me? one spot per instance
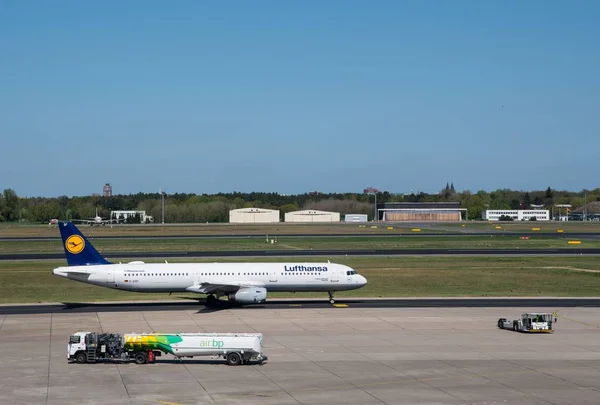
(67, 308)
(329, 253)
(580, 235)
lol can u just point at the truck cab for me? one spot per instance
(77, 344)
(536, 322)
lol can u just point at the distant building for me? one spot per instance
(107, 191)
(517, 215)
(355, 218)
(253, 215)
(588, 212)
(312, 216)
(419, 211)
(124, 214)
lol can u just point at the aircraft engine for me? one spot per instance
(249, 295)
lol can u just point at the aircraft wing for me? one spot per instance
(210, 288)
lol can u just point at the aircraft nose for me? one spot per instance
(362, 280)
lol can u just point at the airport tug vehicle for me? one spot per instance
(235, 348)
(529, 322)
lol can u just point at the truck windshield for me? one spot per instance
(75, 339)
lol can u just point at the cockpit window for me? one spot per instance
(350, 272)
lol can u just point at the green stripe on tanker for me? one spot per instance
(151, 342)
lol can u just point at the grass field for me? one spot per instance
(17, 230)
(388, 277)
(291, 243)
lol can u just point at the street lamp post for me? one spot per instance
(375, 213)
(584, 205)
(376, 216)
(162, 203)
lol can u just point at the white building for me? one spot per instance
(517, 215)
(253, 215)
(355, 218)
(124, 214)
(312, 216)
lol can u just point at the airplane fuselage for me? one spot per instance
(181, 277)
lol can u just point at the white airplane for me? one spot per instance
(241, 283)
(97, 220)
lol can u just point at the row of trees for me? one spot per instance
(215, 208)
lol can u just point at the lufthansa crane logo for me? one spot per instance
(75, 244)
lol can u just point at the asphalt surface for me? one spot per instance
(296, 253)
(309, 304)
(581, 235)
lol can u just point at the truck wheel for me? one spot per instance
(140, 358)
(500, 324)
(234, 359)
(81, 358)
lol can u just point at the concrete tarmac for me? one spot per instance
(328, 356)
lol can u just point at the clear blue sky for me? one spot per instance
(295, 96)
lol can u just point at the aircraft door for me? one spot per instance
(110, 276)
(335, 275)
(273, 277)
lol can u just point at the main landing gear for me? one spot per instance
(211, 300)
(331, 299)
(215, 301)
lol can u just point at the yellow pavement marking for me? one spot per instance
(574, 320)
(165, 402)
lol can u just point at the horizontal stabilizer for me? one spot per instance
(66, 272)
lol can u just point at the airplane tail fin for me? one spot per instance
(78, 249)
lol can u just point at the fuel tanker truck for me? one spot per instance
(143, 348)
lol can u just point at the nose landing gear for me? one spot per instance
(331, 299)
